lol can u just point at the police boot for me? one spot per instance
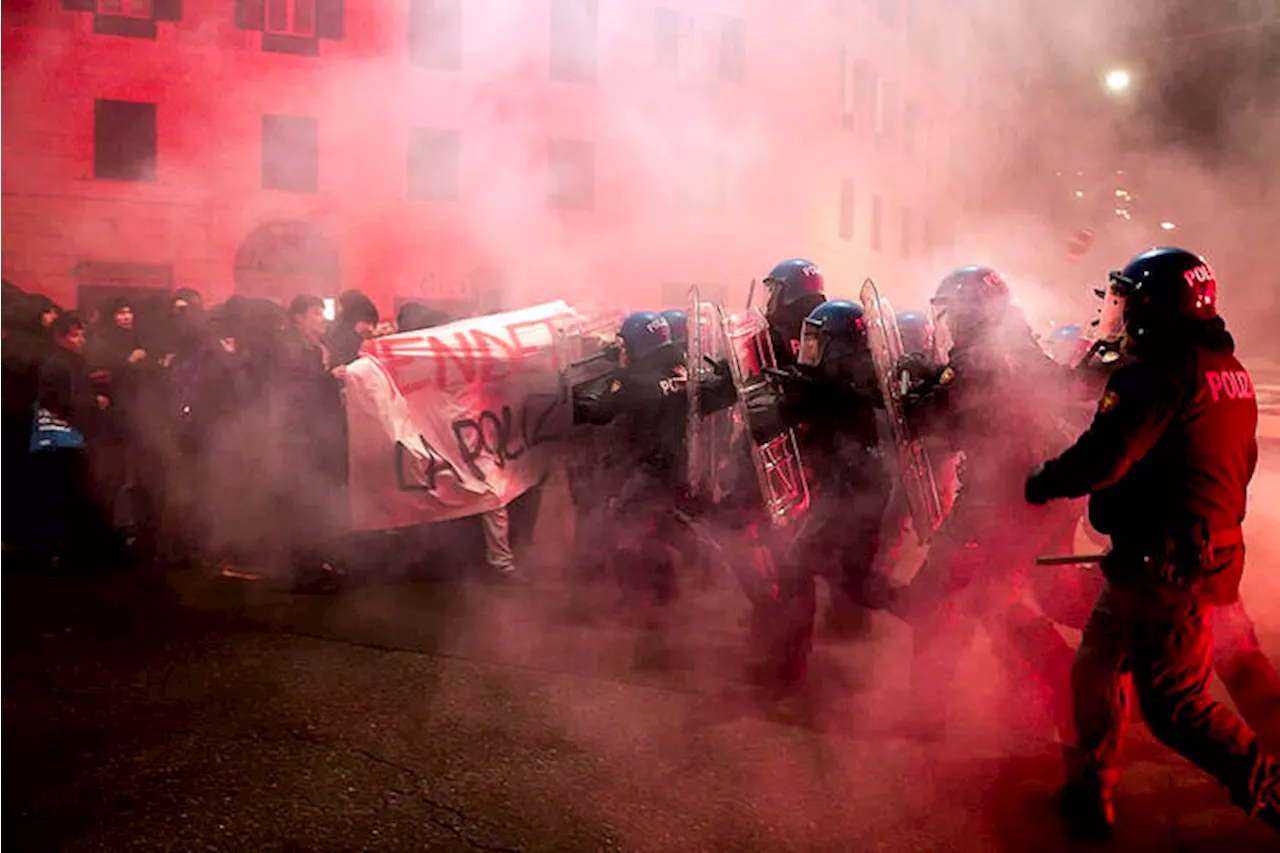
(1086, 800)
(1089, 809)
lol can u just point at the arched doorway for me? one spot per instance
(281, 259)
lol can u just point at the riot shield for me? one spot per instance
(914, 469)
(777, 464)
(586, 349)
(707, 438)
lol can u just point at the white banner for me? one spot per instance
(454, 420)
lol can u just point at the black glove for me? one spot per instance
(719, 366)
(1035, 490)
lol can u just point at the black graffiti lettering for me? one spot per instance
(535, 418)
(470, 449)
(426, 480)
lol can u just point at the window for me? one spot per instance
(909, 130)
(906, 232)
(883, 99)
(291, 18)
(876, 210)
(847, 103)
(573, 40)
(667, 25)
(124, 140)
(127, 8)
(571, 166)
(733, 49)
(435, 33)
(290, 153)
(888, 10)
(433, 163)
(857, 91)
(706, 183)
(844, 228)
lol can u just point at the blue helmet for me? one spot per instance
(1064, 343)
(792, 279)
(1165, 287)
(678, 321)
(967, 299)
(916, 331)
(834, 334)
(644, 333)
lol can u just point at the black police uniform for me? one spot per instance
(1167, 459)
(993, 402)
(839, 535)
(649, 402)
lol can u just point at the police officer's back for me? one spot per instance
(1173, 445)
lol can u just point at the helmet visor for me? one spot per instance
(812, 344)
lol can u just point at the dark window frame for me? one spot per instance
(435, 34)
(427, 147)
(571, 176)
(568, 59)
(280, 170)
(112, 159)
(846, 218)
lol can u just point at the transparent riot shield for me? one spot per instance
(778, 468)
(914, 469)
(708, 439)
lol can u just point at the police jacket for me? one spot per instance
(1001, 401)
(650, 403)
(835, 424)
(1169, 456)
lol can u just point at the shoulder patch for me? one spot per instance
(1108, 402)
(947, 376)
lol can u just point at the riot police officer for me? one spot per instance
(647, 396)
(1166, 462)
(989, 402)
(795, 288)
(678, 322)
(831, 396)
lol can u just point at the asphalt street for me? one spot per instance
(431, 710)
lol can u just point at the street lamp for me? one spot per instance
(1117, 81)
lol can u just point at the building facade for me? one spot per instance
(483, 154)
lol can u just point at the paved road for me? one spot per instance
(186, 712)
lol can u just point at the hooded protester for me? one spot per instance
(357, 318)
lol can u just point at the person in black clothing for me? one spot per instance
(830, 396)
(795, 288)
(309, 427)
(66, 516)
(115, 353)
(993, 402)
(647, 396)
(357, 318)
(1167, 463)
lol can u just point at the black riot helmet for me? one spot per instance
(967, 300)
(1166, 291)
(834, 339)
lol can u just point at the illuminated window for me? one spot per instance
(571, 169)
(435, 33)
(573, 40)
(732, 49)
(124, 141)
(291, 18)
(290, 153)
(844, 228)
(433, 163)
(127, 8)
(877, 205)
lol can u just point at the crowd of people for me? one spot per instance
(179, 433)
